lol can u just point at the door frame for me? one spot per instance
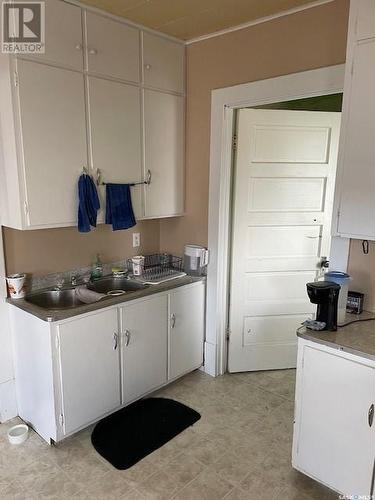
(224, 103)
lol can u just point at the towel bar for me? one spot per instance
(99, 181)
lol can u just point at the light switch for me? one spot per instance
(136, 240)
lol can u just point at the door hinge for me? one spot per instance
(234, 142)
(16, 81)
(227, 333)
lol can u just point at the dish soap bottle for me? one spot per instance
(97, 268)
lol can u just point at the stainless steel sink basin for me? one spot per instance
(55, 299)
(115, 286)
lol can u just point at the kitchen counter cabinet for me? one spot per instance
(334, 435)
(74, 371)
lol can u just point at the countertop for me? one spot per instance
(51, 315)
(357, 338)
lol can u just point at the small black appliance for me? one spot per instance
(325, 294)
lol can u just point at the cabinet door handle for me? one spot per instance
(148, 178)
(115, 341)
(79, 46)
(148, 66)
(173, 320)
(127, 337)
(370, 415)
(93, 52)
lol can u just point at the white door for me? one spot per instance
(112, 48)
(336, 444)
(164, 153)
(53, 127)
(90, 368)
(144, 346)
(186, 329)
(115, 125)
(63, 37)
(283, 190)
(163, 63)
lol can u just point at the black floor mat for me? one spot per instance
(130, 434)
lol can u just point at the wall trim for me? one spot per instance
(224, 102)
(260, 20)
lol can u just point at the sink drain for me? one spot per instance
(116, 292)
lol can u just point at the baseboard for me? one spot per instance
(210, 359)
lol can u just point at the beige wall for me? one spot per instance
(309, 39)
(53, 250)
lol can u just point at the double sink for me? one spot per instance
(66, 298)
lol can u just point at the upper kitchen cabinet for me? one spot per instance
(163, 63)
(164, 154)
(63, 36)
(365, 23)
(354, 197)
(44, 145)
(115, 130)
(112, 48)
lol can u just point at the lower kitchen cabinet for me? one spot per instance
(186, 332)
(71, 373)
(144, 346)
(334, 437)
(89, 362)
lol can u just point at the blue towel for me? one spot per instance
(119, 209)
(88, 203)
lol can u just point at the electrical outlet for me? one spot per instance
(136, 240)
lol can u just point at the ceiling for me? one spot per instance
(187, 19)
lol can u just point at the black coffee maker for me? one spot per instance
(326, 295)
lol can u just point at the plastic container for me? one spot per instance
(16, 285)
(342, 279)
(18, 434)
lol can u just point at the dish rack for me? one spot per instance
(158, 268)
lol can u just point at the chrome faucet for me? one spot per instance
(74, 279)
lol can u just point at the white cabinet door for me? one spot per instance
(112, 48)
(164, 153)
(144, 346)
(356, 185)
(186, 329)
(53, 127)
(163, 63)
(89, 367)
(63, 35)
(335, 443)
(115, 121)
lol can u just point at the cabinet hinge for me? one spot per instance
(352, 67)
(227, 333)
(16, 79)
(61, 419)
(57, 342)
(26, 208)
(234, 142)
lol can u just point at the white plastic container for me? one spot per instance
(16, 285)
(138, 262)
(342, 279)
(18, 434)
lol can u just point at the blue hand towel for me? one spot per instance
(119, 209)
(88, 203)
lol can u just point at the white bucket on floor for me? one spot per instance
(18, 434)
